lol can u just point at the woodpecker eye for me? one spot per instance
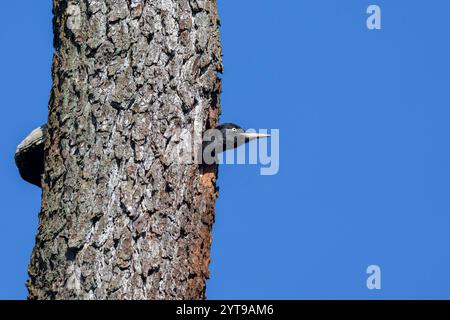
(234, 129)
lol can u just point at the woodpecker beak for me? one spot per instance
(252, 136)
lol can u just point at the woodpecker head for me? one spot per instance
(234, 136)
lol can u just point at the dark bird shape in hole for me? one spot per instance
(230, 136)
(29, 156)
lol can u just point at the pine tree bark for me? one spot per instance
(120, 219)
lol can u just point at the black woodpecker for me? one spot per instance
(231, 136)
(29, 154)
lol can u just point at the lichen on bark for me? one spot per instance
(119, 219)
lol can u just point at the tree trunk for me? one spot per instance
(120, 218)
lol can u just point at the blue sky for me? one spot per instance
(364, 119)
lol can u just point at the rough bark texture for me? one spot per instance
(119, 218)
